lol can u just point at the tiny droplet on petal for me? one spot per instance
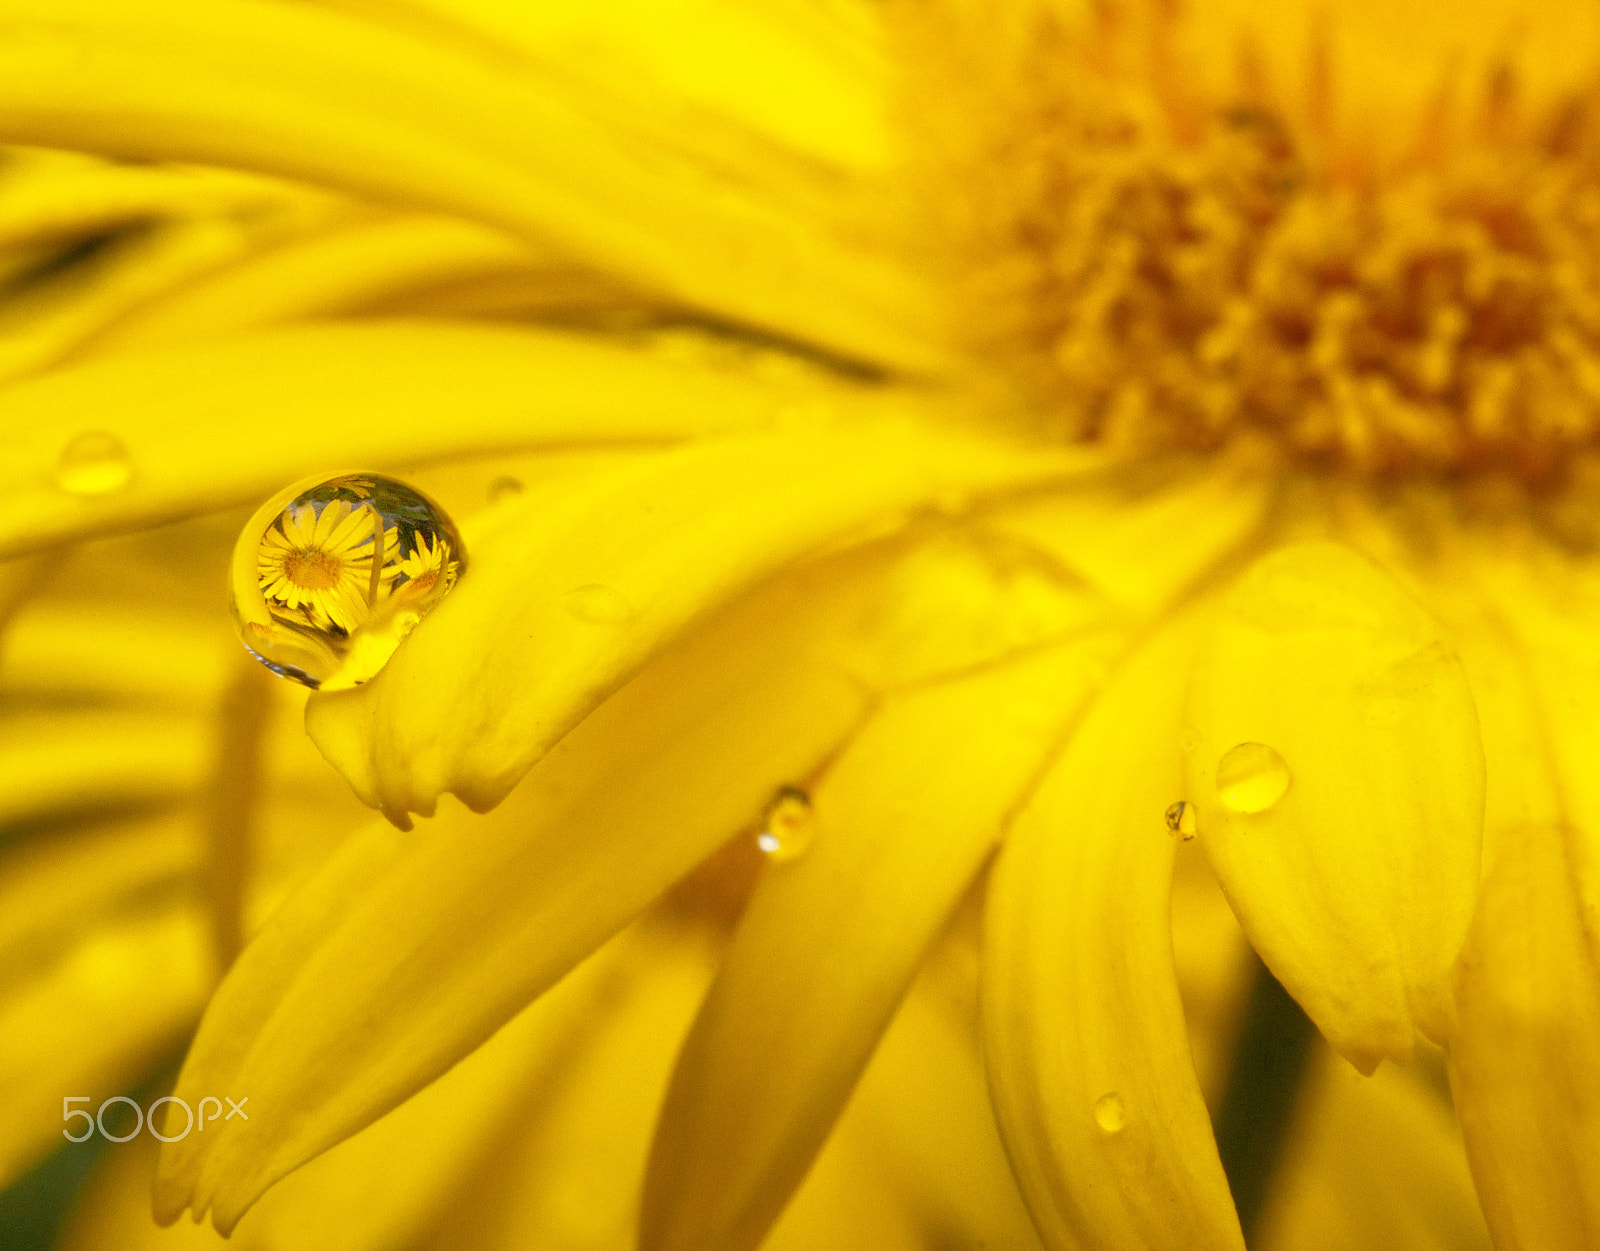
(92, 464)
(1182, 820)
(1251, 777)
(598, 604)
(1109, 1114)
(787, 825)
(1189, 740)
(504, 487)
(331, 574)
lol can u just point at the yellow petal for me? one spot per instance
(349, 269)
(572, 590)
(813, 80)
(567, 1171)
(480, 1150)
(52, 886)
(467, 920)
(1372, 1162)
(900, 824)
(295, 90)
(53, 196)
(48, 322)
(1339, 779)
(923, 1112)
(91, 1022)
(1085, 1042)
(1523, 1064)
(1140, 545)
(229, 423)
(75, 762)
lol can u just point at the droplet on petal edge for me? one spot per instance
(1251, 777)
(787, 825)
(92, 464)
(1182, 820)
(1109, 1114)
(599, 605)
(331, 574)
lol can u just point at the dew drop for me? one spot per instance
(1182, 820)
(598, 604)
(787, 825)
(1109, 1114)
(331, 574)
(1251, 777)
(1189, 740)
(92, 464)
(503, 488)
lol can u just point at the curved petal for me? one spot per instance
(1523, 1062)
(91, 761)
(1084, 1035)
(814, 80)
(571, 590)
(830, 941)
(92, 1020)
(583, 1128)
(1338, 775)
(1372, 1162)
(467, 920)
(52, 196)
(228, 423)
(599, 1043)
(348, 269)
(297, 90)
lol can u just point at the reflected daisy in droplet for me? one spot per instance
(319, 563)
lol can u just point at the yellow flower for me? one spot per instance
(948, 437)
(318, 563)
(426, 566)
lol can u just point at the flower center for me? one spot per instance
(312, 570)
(1177, 270)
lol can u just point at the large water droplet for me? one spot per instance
(1182, 820)
(1109, 1114)
(94, 463)
(332, 573)
(787, 825)
(598, 604)
(1251, 777)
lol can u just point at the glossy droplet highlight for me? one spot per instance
(331, 574)
(598, 604)
(1182, 820)
(94, 463)
(787, 825)
(1251, 778)
(1109, 1114)
(1189, 740)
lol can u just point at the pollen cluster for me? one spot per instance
(1175, 267)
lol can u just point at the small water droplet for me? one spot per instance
(1109, 1114)
(503, 488)
(787, 825)
(1182, 820)
(1189, 740)
(331, 574)
(598, 604)
(1251, 777)
(94, 463)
